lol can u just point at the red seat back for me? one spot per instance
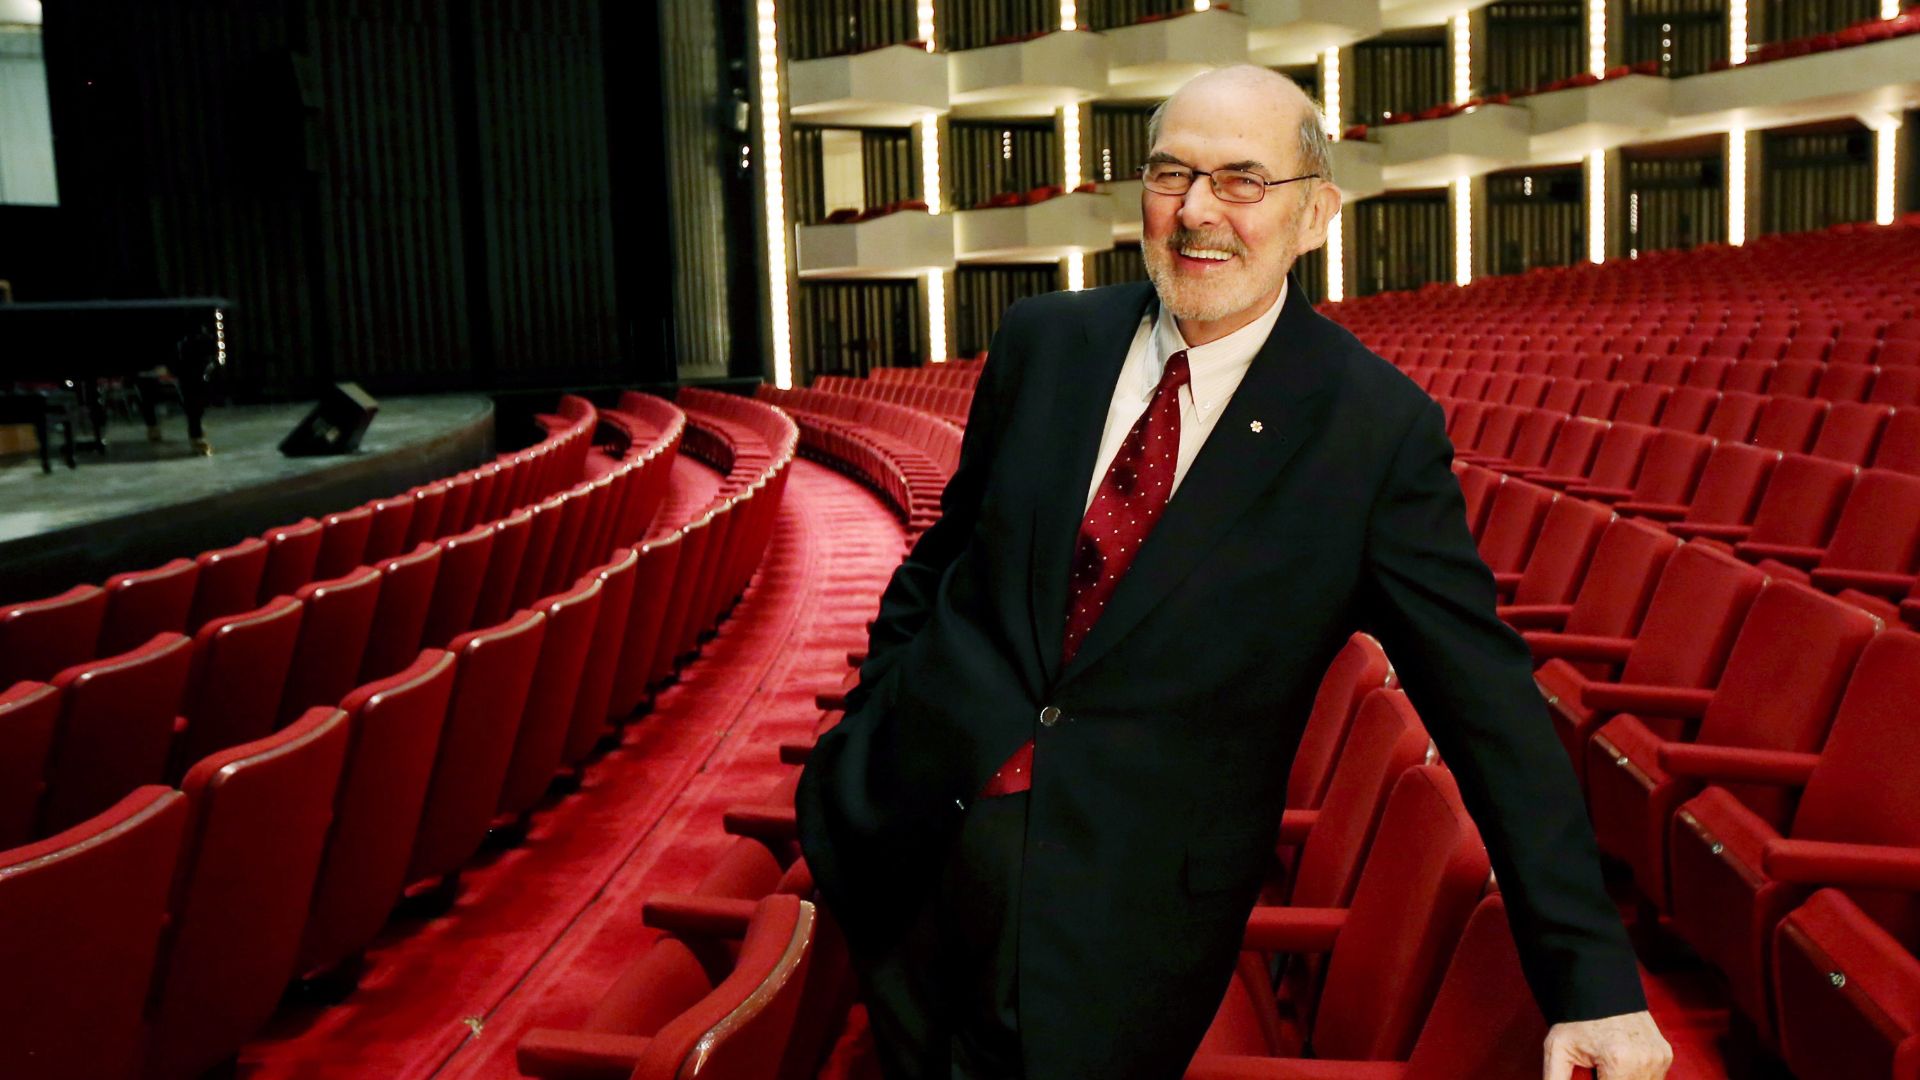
(429, 500)
(1620, 580)
(343, 542)
(80, 920)
(29, 712)
(1484, 1024)
(143, 603)
(257, 816)
(456, 590)
(292, 553)
(240, 666)
(510, 537)
(1731, 483)
(41, 637)
(387, 534)
(1695, 615)
(590, 704)
(543, 531)
(1513, 523)
(1359, 669)
(116, 728)
(652, 589)
(1568, 536)
(229, 581)
(400, 616)
(333, 640)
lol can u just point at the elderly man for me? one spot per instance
(1048, 810)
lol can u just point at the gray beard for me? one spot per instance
(1217, 305)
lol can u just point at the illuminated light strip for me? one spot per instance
(1597, 207)
(936, 316)
(1202, 5)
(1463, 230)
(1069, 14)
(1597, 36)
(1736, 31)
(926, 28)
(1336, 261)
(1886, 143)
(1070, 146)
(1462, 59)
(1076, 271)
(1737, 187)
(768, 24)
(930, 163)
(1330, 85)
(1890, 9)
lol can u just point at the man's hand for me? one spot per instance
(1624, 1047)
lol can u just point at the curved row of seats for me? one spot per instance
(1707, 587)
(903, 452)
(282, 856)
(949, 403)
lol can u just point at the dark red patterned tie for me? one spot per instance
(1129, 501)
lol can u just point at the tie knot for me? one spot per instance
(1175, 375)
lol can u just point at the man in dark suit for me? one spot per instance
(1049, 807)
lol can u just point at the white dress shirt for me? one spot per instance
(1215, 369)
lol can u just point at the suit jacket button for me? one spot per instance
(1050, 716)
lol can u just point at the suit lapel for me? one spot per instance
(1234, 465)
(1079, 416)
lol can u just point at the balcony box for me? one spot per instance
(1030, 78)
(1357, 169)
(1289, 33)
(891, 87)
(902, 244)
(1871, 80)
(1401, 14)
(1569, 124)
(1125, 201)
(1041, 232)
(1429, 153)
(1152, 59)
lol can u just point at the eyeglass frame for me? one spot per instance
(1215, 184)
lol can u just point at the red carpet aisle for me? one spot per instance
(541, 930)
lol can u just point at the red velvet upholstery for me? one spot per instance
(1616, 463)
(80, 919)
(229, 581)
(1847, 993)
(1613, 595)
(1683, 643)
(1728, 493)
(292, 553)
(1561, 554)
(258, 815)
(395, 730)
(343, 542)
(333, 640)
(694, 544)
(1360, 668)
(671, 1017)
(1788, 424)
(1781, 685)
(494, 669)
(536, 751)
(590, 704)
(1424, 875)
(511, 535)
(1513, 523)
(542, 532)
(1900, 442)
(1876, 542)
(557, 574)
(147, 602)
(652, 589)
(1734, 417)
(1478, 486)
(453, 514)
(400, 617)
(456, 590)
(1797, 512)
(28, 713)
(1668, 472)
(1851, 432)
(240, 666)
(387, 534)
(1724, 902)
(41, 637)
(429, 500)
(117, 721)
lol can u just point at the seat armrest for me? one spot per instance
(1873, 582)
(1296, 825)
(1846, 866)
(1690, 530)
(1738, 764)
(1600, 494)
(1293, 930)
(1794, 555)
(551, 1052)
(795, 753)
(769, 823)
(1535, 616)
(1669, 701)
(1547, 645)
(686, 915)
(1657, 511)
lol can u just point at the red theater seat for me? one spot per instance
(387, 534)
(400, 616)
(1850, 433)
(678, 1012)
(240, 666)
(41, 637)
(429, 500)
(1360, 668)
(591, 704)
(1513, 523)
(1668, 471)
(1797, 511)
(1484, 1024)
(80, 920)
(456, 589)
(511, 536)
(1726, 902)
(147, 602)
(1900, 444)
(1789, 424)
(1781, 685)
(343, 542)
(1734, 417)
(652, 587)
(334, 630)
(494, 668)
(1568, 535)
(542, 531)
(1616, 464)
(28, 713)
(1573, 451)
(257, 816)
(395, 729)
(1613, 594)
(117, 722)
(292, 553)
(1846, 991)
(1728, 494)
(229, 581)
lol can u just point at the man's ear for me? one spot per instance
(1317, 216)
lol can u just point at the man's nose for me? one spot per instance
(1200, 207)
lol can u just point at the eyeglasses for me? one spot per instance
(1229, 185)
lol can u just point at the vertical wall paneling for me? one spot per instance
(1685, 37)
(1535, 217)
(1812, 180)
(1406, 72)
(988, 158)
(972, 24)
(1402, 240)
(1674, 202)
(980, 294)
(1529, 43)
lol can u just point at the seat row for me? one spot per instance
(959, 374)
(297, 843)
(40, 638)
(904, 453)
(948, 403)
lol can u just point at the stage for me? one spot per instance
(145, 503)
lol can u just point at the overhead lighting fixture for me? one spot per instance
(1462, 59)
(930, 164)
(775, 193)
(1736, 31)
(1737, 187)
(936, 316)
(925, 19)
(1597, 36)
(1597, 207)
(1336, 260)
(1886, 151)
(1463, 230)
(1330, 89)
(1076, 271)
(1070, 146)
(1069, 14)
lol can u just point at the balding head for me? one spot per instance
(1257, 96)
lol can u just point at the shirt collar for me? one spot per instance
(1216, 367)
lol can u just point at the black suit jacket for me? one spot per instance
(1156, 797)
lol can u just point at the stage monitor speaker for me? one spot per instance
(335, 424)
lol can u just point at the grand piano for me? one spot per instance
(76, 343)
